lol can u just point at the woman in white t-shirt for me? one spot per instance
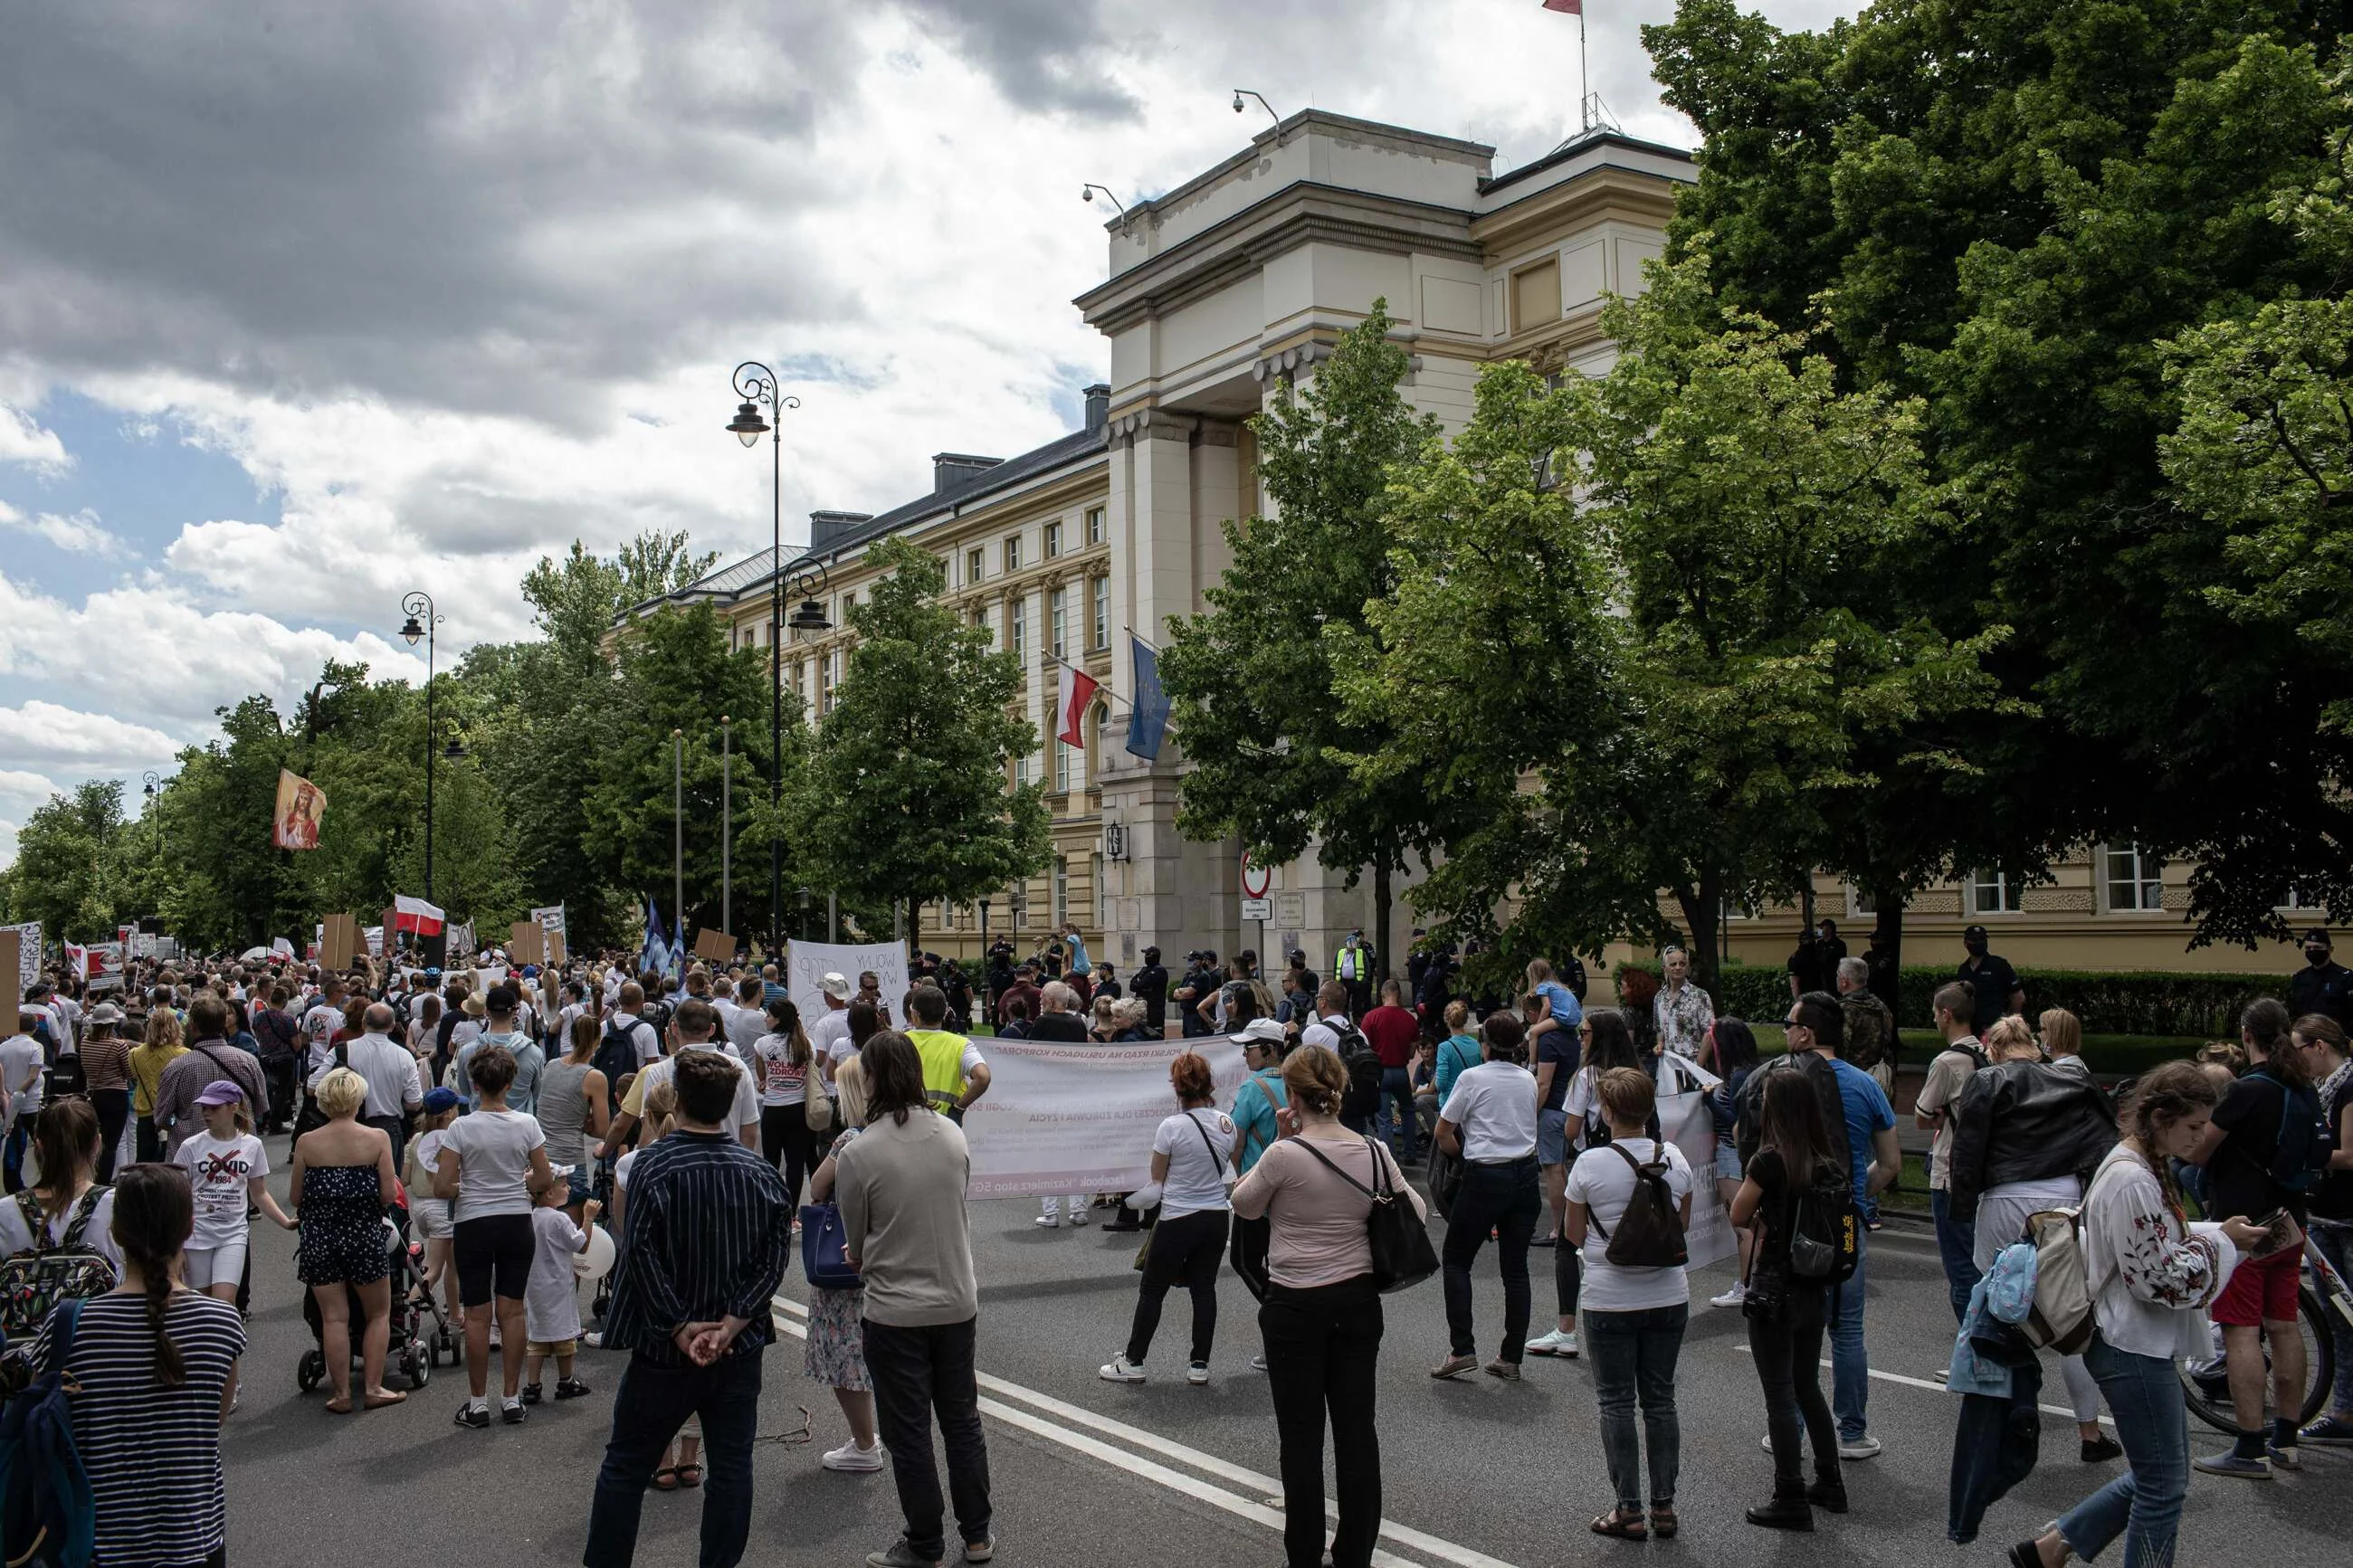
(1191, 1172)
(66, 1200)
(1634, 1316)
(488, 1161)
(780, 1063)
(226, 1168)
(1490, 1122)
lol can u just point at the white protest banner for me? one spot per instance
(549, 917)
(103, 967)
(808, 962)
(1063, 1118)
(1686, 1120)
(28, 954)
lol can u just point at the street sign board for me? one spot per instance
(1258, 909)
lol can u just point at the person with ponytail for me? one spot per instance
(155, 1366)
(2152, 1278)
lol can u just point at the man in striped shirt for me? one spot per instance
(708, 1237)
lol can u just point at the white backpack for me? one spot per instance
(2062, 1318)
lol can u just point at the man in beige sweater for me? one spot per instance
(901, 1185)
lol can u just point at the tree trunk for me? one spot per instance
(1887, 936)
(1700, 907)
(1380, 925)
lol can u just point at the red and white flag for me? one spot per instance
(1573, 8)
(415, 916)
(1078, 690)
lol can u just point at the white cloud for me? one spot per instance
(22, 440)
(80, 533)
(48, 734)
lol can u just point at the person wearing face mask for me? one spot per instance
(1992, 977)
(2322, 985)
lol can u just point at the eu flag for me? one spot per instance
(1148, 722)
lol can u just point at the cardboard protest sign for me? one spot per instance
(340, 942)
(715, 946)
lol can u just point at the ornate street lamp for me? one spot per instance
(418, 607)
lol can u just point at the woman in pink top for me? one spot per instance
(1322, 1317)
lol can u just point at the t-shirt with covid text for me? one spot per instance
(219, 1171)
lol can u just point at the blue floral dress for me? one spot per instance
(837, 1339)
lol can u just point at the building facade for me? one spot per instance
(1216, 293)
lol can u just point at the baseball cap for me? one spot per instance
(221, 1092)
(1968, 932)
(437, 1101)
(1261, 1032)
(836, 985)
(2316, 934)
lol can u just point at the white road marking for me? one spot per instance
(1267, 1512)
(1935, 1387)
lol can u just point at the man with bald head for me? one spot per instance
(394, 1087)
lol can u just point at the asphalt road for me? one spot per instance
(1478, 1474)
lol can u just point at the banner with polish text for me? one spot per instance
(1065, 1118)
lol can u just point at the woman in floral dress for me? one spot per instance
(837, 1343)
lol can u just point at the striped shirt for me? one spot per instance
(708, 1233)
(152, 1453)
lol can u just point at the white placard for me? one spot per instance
(549, 917)
(1688, 1121)
(808, 962)
(28, 954)
(1079, 1118)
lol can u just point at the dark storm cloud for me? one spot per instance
(1048, 55)
(464, 204)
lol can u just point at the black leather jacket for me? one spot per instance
(2024, 1122)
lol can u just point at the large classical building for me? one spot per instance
(1217, 292)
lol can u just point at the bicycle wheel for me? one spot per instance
(2207, 1392)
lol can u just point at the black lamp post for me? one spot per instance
(755, 383)
(418, 607)
(150, 783)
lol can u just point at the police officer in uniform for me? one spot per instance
(2322, 987)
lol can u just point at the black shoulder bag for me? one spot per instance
(1399, 1240)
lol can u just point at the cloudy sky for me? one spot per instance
(302, 305)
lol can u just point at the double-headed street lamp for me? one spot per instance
(418, 607)
(755, 383)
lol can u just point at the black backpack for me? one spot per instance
(1364, 1065)
(1825, 1231)
(2300, 1153)
(1651, 1231)
(617, 1056)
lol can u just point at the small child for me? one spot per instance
(429, 1214)
(550, 1297)
(226, 1168)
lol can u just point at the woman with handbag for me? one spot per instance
(1189, 1236)
(837, 1340)
(1788, 1312)
(1322, 1315)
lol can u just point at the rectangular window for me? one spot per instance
(1062, 766)
(1103, 612)
(1094, 525)
(1053, 540)
(1013, 554)
(1992, 893)
(1016, 628)
(827, 668)
(1061, 889)
(1059, 603)
(2136, 878)
(1021, 770)
(1535, 296)
(976, 562)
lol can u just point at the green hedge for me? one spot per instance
(2109, 1002)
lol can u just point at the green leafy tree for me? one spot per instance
(909, 797)
(1253, 681)
(67, 863)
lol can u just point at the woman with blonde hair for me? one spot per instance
(343, 1178)
(1321, 1318)
(161, 1047)
(836, 1351)
(2062, 1040)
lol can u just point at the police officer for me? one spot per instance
(2321, 986)
(1200, 979)
(1149, 985)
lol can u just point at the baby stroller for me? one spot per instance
(409, 1349)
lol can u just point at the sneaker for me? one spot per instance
(1258, 1363)
(478, 1417)
(593, 1340)
(1121, 1369)
(570, 1388)
(1197, 1374)
(510, 1412)
(2283, 1458)
(2229, 1462)
(900, 1555)
(859, 1461)
(1553, 1343)
(1732, 1297)
(1078, 1219)
(979, 1551)
(531, 1394)
(2330, 1432)
(1455, 1366)
(1043, 1222)
(1863, 1447)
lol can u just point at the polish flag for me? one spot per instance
(415, 916)
(1078, 690)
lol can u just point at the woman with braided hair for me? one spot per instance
(157, 1366)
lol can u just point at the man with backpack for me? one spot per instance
(277, 1039)
(1337, 1033)
(2264, 1152)
(1955, 1005)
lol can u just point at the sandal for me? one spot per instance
(1663, 1523)
(1623, 1525)
(690, 1481)
(666, 1479)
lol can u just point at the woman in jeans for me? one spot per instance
(2152, 1281)
(1787, 1317)
(2321, 1039)
(1634, 1317)
(1490, 1123)
(1189, 1167)
(1322, 1317)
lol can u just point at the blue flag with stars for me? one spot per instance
(1148, 722)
